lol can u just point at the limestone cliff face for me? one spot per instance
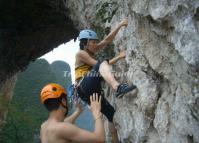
(162, 44)
(29, 29)
(6, 92)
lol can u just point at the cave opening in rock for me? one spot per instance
(64, 52)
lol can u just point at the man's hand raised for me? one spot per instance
(95, 105)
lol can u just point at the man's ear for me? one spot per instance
(64, 102)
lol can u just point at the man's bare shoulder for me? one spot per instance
(81, 52)
(52, 132)
(65, 126)
(44, 126)
(67, 131)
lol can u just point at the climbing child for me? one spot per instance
(89, 72)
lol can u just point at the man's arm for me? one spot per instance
(108, 39)
(115, 59)
(73, 117)
(71, 132)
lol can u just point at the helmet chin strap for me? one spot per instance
(64, 106)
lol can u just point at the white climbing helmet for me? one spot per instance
(88, 34)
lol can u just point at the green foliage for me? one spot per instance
(20, 127)
(62, 73)
(108, 52)
(26, 113)
(106, 10)
(3, 103)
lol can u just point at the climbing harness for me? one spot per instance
(73, 94)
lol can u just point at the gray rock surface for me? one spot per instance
(162, 44)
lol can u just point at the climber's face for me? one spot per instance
(92, 45)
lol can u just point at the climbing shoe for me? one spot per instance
(124, 88)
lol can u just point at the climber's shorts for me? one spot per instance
(90, 84)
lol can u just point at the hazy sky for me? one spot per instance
(65, 52)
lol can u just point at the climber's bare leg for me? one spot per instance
(105, 72)
(113, 132)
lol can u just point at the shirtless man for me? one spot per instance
(58, 129)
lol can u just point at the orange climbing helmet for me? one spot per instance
(52, 90)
